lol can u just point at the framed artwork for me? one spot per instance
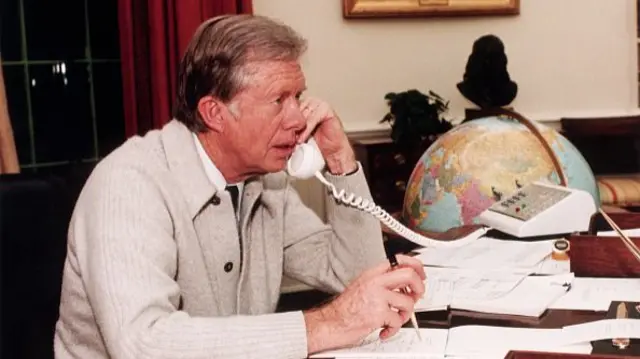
(428, 8)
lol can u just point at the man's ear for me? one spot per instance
(209, 109)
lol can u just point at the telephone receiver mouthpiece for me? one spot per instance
(306, 160)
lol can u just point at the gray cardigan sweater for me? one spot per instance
(156, 269)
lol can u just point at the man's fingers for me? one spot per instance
(304, 136)
(401, 278)
(393, 323)
(393, 319)
(403, 261)
(305, 103)
(312, 123)
(310, 106)
(413, 262)
(388, 332)
(400, 301)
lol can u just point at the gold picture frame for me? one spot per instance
(428, 8)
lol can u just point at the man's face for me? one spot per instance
(268, 114)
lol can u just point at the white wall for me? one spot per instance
(569, 57)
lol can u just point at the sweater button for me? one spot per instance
(215, 200)
(228, 267)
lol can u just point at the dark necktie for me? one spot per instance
(233, 192)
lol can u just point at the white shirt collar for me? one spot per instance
(212, 172)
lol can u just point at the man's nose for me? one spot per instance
(295, 120)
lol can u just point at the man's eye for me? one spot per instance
(279, 100)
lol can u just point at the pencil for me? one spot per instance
(414, 321)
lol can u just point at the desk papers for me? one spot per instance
(488, 341)
(445, 286)
(552, 266)
(598, 293)
(487, 253)
(490, 291)
(465, 341)
(405, 342)
(529, 298)
(601, 329)
(479, 340)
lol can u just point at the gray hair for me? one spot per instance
(216, 60)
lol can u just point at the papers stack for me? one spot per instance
(496, 254)
(496, 342)
(491, 292)
(514, 277)
(489, 254)
(404, 343)
(494, 276)
(478, 341)
(598, 293)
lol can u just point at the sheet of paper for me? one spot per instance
(474, 340)
(438, 293)
(404, 343)
(585, 348)
(488, 253)
(495, 353)
(491, 291)
(635, 232)
(531, 297)
(485, 287)
(552, 266)
(443, 285)
(598, 293)
(601, 329)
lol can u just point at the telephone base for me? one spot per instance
(541, 209)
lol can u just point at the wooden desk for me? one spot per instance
(591, 256)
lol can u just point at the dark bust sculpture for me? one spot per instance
(486, 81)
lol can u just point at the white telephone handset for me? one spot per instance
(307, 161)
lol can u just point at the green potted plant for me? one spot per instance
(416, 119)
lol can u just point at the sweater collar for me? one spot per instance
(186, 167)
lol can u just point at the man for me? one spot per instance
(161, 265)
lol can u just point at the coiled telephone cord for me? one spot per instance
(385, 218)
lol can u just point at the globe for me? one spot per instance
(476, 163)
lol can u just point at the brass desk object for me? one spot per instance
(621, 313)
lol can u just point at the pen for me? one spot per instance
(621, 313)
(394, 263)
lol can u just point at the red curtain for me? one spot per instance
(153, 36)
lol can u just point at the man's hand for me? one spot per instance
(372, 301)
(326, 128)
